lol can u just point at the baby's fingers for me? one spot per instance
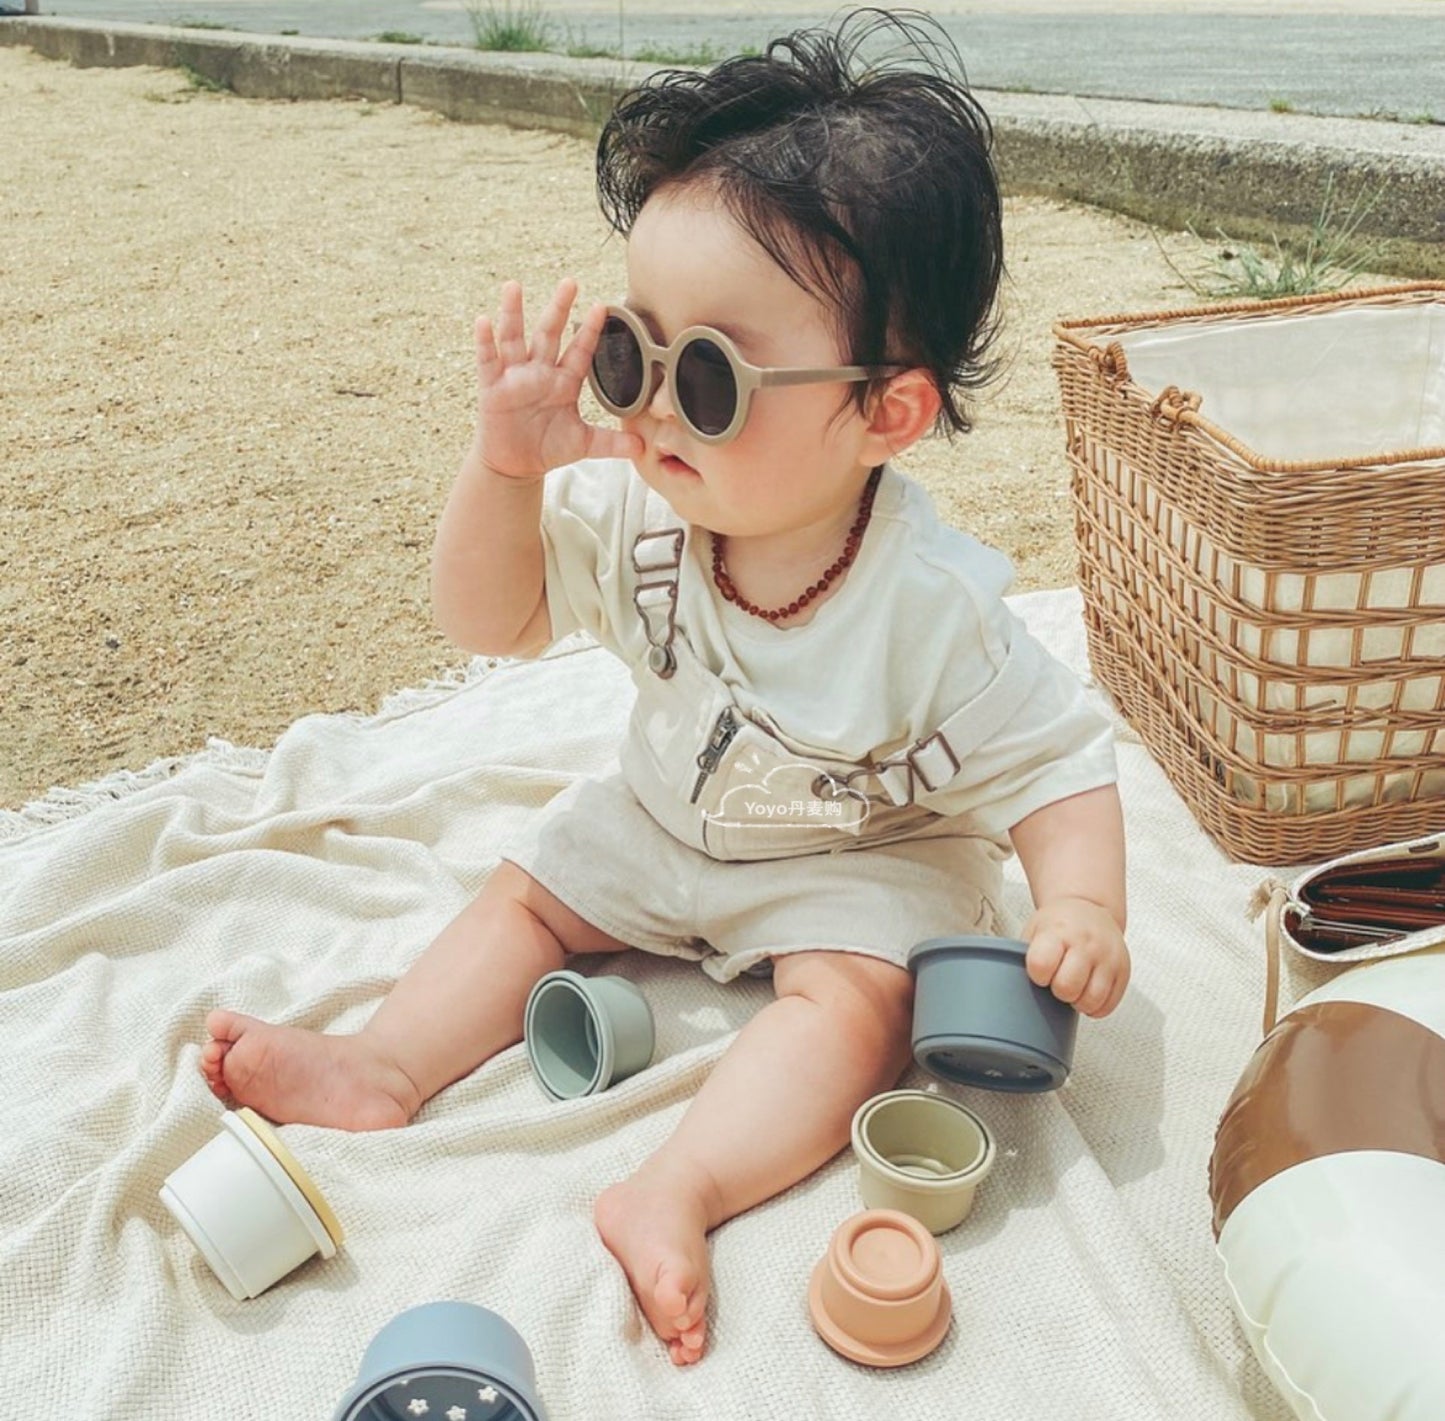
(1117, 987)
(489, 361)
(611, 444)
(510, 332)
(1072, 976)
(1097, 998)
(577, 358)
(1046, 952)
(547, 338)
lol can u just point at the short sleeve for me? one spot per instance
(1023, 739)
(583, 517)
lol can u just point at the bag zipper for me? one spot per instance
(724, 729)
(1324, 935)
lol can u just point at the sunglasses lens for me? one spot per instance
(617, 364)
(707, 389)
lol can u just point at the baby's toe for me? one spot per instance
(226, 1027)
(679, 1297)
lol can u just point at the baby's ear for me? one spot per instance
(902, 411)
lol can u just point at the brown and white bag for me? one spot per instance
(1374, 903)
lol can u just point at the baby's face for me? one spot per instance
(798, 460)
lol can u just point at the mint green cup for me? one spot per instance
(585, 1034)
(922, 1154)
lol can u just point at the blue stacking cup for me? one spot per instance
(445, 1360)
(978, 1020)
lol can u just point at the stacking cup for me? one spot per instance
(921, 1154)
(248, 1206)
(445, 1359)
(877, 1295)
(584, 1034)
(978, 1019)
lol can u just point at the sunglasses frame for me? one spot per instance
(662, 360)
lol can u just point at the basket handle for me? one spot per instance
(1110, 362)
(1175, 406)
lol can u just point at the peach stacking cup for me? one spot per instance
(877, 1295)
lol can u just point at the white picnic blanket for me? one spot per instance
(298, 884)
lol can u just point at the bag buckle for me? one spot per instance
(935, 742)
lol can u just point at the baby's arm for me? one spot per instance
(488, 567)
(1072, 852)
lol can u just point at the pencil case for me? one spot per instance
(1373, 903)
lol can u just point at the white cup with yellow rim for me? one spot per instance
(251, 1210)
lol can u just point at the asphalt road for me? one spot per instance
(1373, 60)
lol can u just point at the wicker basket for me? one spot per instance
(1273, 627)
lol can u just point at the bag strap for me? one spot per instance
(1277, 899)
(935, 760)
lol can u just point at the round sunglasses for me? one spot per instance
(712, 385)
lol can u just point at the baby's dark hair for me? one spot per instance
(870, 182)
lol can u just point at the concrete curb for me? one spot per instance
(1252, 174)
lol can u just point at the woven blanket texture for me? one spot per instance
(298, 884)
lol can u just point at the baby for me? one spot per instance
(840, 728)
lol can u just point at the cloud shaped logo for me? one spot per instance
(791, 795)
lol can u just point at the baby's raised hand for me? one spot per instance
(527, 416)
(1077, 951)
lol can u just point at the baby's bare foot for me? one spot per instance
(656, 1227)
(301, 1077)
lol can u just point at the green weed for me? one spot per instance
(1331, 257)
(517, 27)
(1394, 116)
(585, 49)
(202, 82)
(699, 55)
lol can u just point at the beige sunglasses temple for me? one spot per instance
(786, 376)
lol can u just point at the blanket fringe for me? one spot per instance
(415, 698)
(62, 804)
(458, 678)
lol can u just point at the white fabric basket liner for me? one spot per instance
(1310, 387)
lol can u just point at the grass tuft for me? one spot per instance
(202, 82)
(513, 26)
(700, 56)
(1332, 257)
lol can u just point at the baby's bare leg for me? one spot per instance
(459, 1004)
(778, 1105)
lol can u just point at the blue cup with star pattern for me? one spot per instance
(445, 1361)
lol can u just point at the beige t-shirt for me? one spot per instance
(917, 630)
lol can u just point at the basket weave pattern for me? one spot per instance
(1275, 631)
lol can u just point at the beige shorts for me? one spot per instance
(597, 848)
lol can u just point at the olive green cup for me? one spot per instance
(922, 1154)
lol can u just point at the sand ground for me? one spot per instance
(236, 380)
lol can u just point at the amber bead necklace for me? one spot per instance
(850, 551)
